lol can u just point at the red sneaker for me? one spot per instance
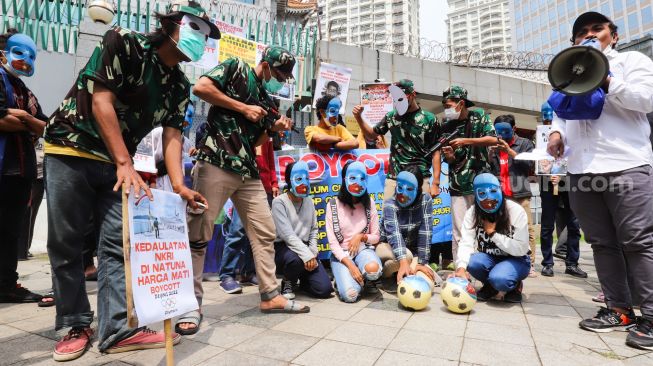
(73, 345)
(143, 339)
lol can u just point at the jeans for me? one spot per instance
(14, 198)
(237, 252)
(502, 273)
(25, 238)
(78, 189)
(549, 209)
(316, 282)
(348, 289)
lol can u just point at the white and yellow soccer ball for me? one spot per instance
(458, 295)
(414, 293)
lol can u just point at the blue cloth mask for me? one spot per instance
(504, 130)
(300, 185)
(487, 192)
(192, 37)
(407, 187)
(547, 112)
(356, 179)
(20, 52)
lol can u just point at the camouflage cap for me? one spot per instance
(281, 59)
(457, 92)
(406, 85)
(179, 8)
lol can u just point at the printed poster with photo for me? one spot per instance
(144, 157)
(551, 167)
(209, 59)
(332, 81)
(376, 101)
(161, 265)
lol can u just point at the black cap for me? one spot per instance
(588, 18)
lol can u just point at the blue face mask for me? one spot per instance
(192, 37)
(487, 192)
(21, 54)
(333, 110)
(356, 179)
(299, 183)
(406, 191)
(504, 130)
(273, 85)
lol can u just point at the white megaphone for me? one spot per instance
(579, 70)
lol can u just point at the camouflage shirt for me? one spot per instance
(230, 140)
(470, 160)
(148, 94)
(413, 135)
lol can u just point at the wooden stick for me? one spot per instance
(555, 189)
(170, 355)
(132, 318)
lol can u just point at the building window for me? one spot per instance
(621, 26)
(618, 6)
(647, 16)
(571, 7)
(605, 8)
(633, 23)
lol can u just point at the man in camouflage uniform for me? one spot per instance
(467, 155)
(131, 84)
(413, 135)
(240, 118)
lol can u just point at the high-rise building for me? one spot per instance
(478, 24)
(391, 25)
(545, 26)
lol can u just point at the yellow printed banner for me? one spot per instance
(232, 46)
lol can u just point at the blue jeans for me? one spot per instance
(348, 289)
(78, 189)
(502, 273)
(549, 209)
(237, 252)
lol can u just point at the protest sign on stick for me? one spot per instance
(376, 101)
(333, 82)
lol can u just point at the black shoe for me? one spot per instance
(560, 255)
(607, 320)
(287, 289)
(641, 336)
(19, 294)
(389, 284)
(575, 271)
(486, 293)
(515, 296)
(547, 271)
(370, 287)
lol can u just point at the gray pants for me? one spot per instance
(616, 213)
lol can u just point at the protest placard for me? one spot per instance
(144, 156)
(332, 81)
(376, 102)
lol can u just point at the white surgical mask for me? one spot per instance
(451, 113)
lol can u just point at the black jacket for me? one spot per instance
(518, 169)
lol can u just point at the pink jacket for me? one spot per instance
(352, 222)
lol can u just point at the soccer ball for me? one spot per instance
(414, 293)
(458, 295)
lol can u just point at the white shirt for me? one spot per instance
(619, 139)
(164, 183)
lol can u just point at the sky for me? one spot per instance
(432, 14)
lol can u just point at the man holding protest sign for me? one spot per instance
(242, 117)
(414, 133)
(131, 83)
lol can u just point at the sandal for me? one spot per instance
(50, 300)
(291, 307)
(192, 317)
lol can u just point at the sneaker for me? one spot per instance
(641, 336)
(599, 298)
(607, 320)
(515, 296)
(230, 286)
(547, 271)
(143, 339)
(434, 267)
(575, 271)
(486, 293)
(73, 345)
(287, 289)
(249, 279)
(532, 273)
(370, 287)
(389, 284)
(19, 294)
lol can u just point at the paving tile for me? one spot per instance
(550, 299)
(256, 318)
(221, 311)
(225, 334)
(550, 356)
(42, 325)
(328, 353)
(479, 351)
(427, 344)
(29, 347)
(360, 303)
(233, 358)
(363, 334)
(387, 303)
(431, 324)
(567, 341)
(498, 306)
(515, 319)
(501, 333)
(312, 326)
(7, 333)
(561, 324)
(187, 352)
(277, 345)
(13, 312)
(334, 311)
(638, 361)
(382, 317)
(394, 358)
(550, 310)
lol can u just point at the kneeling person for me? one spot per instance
(499, 230)
(296, 244)
(406, 229)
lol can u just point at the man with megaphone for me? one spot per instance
(611, 182)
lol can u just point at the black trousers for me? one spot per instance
(15, 192)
